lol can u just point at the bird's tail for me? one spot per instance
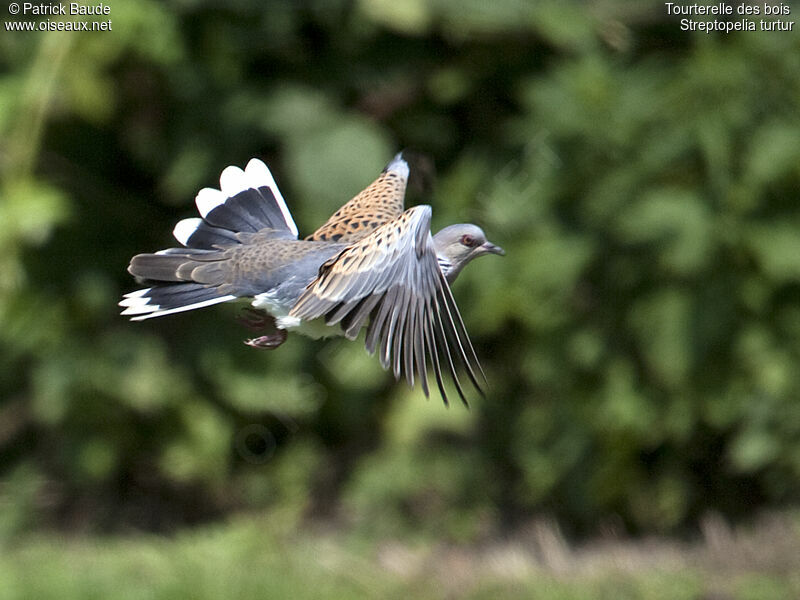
(247, 202)
(178, 279)
(181, 279)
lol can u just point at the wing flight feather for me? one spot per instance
(392, 277)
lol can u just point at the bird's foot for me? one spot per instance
(268, 342)
(256, 320)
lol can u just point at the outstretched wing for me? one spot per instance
(393, 278)
(379, 203)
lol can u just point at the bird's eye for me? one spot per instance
(467, 240)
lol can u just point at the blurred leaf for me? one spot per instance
(662, 323)
(406, 16)
(19, 491)
(97, 459)
(29, 211)
(294, 111)
(202, 451)
(625, 409)
(775, 152)
(331, 165)
(548, 269)
(753, 450)
(675, 221)
(777, 248)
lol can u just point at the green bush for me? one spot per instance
(640, 336)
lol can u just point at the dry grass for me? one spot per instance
(721, 559)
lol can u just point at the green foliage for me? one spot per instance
(640, 337)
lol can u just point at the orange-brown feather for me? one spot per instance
(379, 203)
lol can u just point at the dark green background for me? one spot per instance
(641, 337)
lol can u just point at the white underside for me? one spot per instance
(315, 329)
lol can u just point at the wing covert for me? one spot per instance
(377, 204)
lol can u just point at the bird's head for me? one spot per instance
(458, 244)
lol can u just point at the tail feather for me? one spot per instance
(248, 202)
(180, 280)
(165, 266)
(163, 300)
(195, 233)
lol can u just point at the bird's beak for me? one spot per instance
(490, 247)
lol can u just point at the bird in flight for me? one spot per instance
(372, 264)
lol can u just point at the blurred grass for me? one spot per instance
(256, 557)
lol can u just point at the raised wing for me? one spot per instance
(379, 203)
(392, 277)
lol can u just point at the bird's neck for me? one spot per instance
(448, 269)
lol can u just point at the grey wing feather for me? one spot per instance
(392, 277)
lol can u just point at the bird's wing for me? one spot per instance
(379, 203)
(393, 278)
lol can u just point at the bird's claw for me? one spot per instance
(255, 320)
(268, 342)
